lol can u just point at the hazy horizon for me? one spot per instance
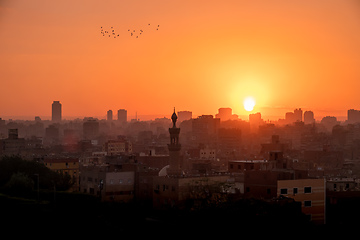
(149, 56)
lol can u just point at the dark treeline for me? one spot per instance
(20, 177)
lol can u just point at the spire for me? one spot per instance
(174, 149)
(174, 118)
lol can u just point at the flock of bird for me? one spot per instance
(136, 33)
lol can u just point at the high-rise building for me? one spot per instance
(298, 115)
(56, 111)
(224, 114)
(90, 128)
(353, 116)
(289, 117)
(255, 121)
(204, 129)
(184, 115)
(109, 116)
(122, 115)
(309, 117)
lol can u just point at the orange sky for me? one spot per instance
(205, 55)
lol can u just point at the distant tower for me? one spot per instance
(56, 111)
(255, 121)
(298, 115)
(174, 148)
(309, 117)
(122, 115)
(184, 115)
(109, 115)
(224, 114)
(353, 116)
(13, 133)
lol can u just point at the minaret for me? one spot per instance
(174, 148)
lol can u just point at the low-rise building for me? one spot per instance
(238, 166)
(343, 184)
(110, 182)
(172, 192)
(68, 166)
(310, 192)
(118, 146)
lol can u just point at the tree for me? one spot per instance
(20, 183)
(205, 193)
(33, 170)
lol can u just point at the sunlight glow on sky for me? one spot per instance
(204, 56)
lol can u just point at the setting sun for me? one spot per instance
(249, 104)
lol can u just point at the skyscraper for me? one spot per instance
(56, 111)
(122, 115)
(353, 116)
(90, 128)
(109, 115)
(298, 115)
(224, 114)
(309, 117)
(184, 115)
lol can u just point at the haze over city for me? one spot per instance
(203, 56)
(180, 117)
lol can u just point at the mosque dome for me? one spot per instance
(163, 171)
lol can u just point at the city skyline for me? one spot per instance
(203, 56)
(224, 113)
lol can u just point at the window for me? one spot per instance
(283, 191)
(295, 190)
(307, 203)
(307, 189)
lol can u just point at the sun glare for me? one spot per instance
(249, 104)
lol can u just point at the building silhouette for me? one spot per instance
(174, 148)
(56, 111)
(204, 129)
(353, 116)
(109, 115)
(52, 134)
(184, 115)
(13, 145)
(298, 115)
(122, 115)
(173, 186)
(224, 114)
(309, 117)
(255, 121)
(90, 128)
